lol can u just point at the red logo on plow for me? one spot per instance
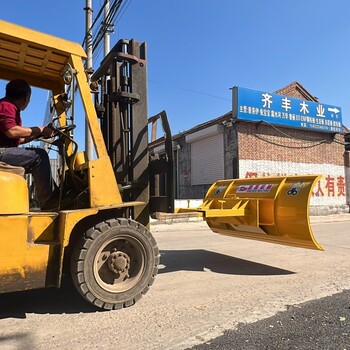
(258, 188)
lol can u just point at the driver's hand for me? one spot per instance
(47, 131)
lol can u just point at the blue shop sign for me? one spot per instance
(283, 110)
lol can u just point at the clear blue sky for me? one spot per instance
(199, 49)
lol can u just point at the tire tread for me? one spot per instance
(80, 253)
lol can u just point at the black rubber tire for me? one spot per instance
(93, 255)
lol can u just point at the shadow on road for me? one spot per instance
(67, 300)
(200, 259)
(23, 340)
(44, 301)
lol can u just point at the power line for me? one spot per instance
(106, 24)
(115, 14)
(294, 137)
(317, 143)
(189, 90)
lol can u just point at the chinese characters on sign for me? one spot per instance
(277, 109)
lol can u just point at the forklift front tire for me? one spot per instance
(115, 263)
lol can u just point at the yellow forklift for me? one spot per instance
(101, 230)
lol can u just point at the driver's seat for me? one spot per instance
(12, 169)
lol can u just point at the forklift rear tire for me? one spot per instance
(115, 263)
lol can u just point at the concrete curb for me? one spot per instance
(169, 219)
(330, 218)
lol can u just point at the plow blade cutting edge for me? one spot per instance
(269, 209)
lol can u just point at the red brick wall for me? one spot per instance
(265, 142)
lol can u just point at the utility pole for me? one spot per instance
(106, 40)
(88, 49)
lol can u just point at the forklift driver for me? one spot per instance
(13, 134)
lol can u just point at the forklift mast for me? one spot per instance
(121, 104)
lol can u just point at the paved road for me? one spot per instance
(207, 284)
(323, 324)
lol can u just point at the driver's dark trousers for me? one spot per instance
(35, 161)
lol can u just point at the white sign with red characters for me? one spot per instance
(331, 189)
(256, 188)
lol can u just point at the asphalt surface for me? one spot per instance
(207, 285)
(322, 324)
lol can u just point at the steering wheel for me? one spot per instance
(62, 129)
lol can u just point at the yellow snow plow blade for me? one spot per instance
(270, 209)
